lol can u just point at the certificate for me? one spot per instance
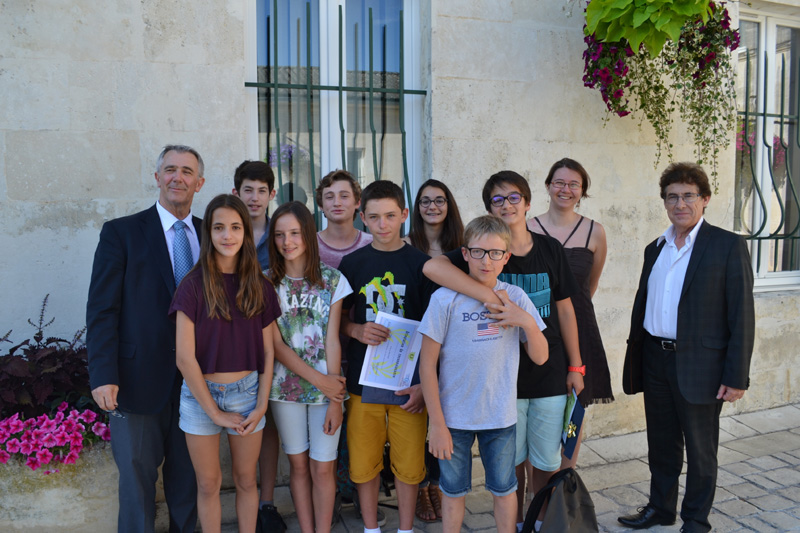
(391, 364)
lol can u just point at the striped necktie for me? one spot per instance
(181, 252)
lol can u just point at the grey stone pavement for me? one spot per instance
(758, 487)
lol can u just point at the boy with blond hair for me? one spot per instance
(476, 353)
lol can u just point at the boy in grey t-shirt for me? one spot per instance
(474, 394)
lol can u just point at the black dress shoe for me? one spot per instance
(646, 517)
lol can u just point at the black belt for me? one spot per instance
(668, 345)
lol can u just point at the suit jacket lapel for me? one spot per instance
(157, 244)
(698, 249)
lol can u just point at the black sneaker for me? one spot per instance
(269, 520)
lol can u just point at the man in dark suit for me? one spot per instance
(131, 343)
(689, 348)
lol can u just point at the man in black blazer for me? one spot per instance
(689, 348)
(131, 344)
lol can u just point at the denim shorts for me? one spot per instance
(540, 422)
(237, 397)
(300, 427)
(497, 454)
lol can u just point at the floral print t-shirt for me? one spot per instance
(304, 326)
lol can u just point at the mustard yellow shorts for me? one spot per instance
(369, 425)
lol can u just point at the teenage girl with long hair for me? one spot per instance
(436, 225)
(225, 311)
(436, 228)
(310, 295)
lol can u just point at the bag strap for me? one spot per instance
(541, 497)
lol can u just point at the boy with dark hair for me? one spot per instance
(254, 183)
(338, 195)
(476, 354)
(385, 276)
(539, 267)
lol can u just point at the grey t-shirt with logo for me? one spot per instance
(478, 361)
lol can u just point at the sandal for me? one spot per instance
(425, 510)
(436, 500)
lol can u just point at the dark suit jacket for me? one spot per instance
(130, 338)
(716, 319)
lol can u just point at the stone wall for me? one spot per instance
(506, 93)
(90, 96)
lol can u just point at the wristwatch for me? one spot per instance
(579, 369)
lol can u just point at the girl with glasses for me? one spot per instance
(436, 225)
(436, 228)
(584, 242)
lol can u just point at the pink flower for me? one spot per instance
(48, 425)
(15, 425)
(75, 439)
(62, 437)
(13, 445)
(33, 462)
(70, 458)
(59, 417)
(76, 447)
(49, 440)
(63, 407)
(48, 472)
(44, 456)
(106, 435)
(74, 414)
(88, 416)
(98, 428)
(26, 447)
(4, 457)
(4, 435)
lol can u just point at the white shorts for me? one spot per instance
(300, 428)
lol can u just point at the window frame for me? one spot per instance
(768, 20)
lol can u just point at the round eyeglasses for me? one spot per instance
(513, 198)
(478, 253)
(688, 198)
(439, 201)
(560, 184)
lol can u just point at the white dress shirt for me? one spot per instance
(666, 283)
(167, 221)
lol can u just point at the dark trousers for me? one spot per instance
(140, 443)
(671, 422)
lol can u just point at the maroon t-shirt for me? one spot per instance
(222, 345)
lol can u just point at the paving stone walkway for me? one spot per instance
(758, 487)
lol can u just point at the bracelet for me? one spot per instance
(579, 369)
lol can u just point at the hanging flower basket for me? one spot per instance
(653, 59)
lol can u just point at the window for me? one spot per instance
(309, 120)
(767, 150)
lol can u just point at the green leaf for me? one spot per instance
(655, 42)
(639, 17)
(673, 29)
(615, 31)
(636, 36)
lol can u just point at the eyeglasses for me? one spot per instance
(439, 201)
(478, 253)
(688, 198)
(513, 198)
(559, 184)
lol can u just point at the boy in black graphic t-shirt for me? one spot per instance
(539, 266)
(385, 276)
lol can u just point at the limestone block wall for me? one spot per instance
(506, 93)
(90, 95)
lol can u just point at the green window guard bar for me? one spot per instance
(273, 85)
(766, 202)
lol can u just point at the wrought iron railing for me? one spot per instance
(376, 95)
(768, 143)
